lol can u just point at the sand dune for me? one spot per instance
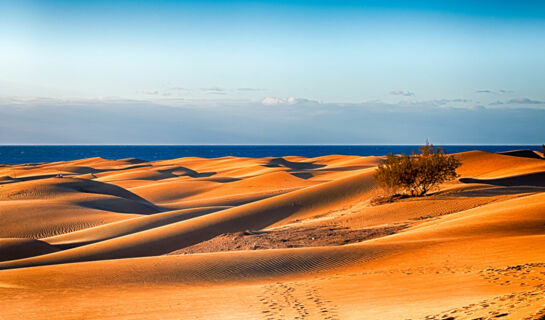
(52, 188)
(42, 218)
(124, 227)
(480, 164)
(471, 250)
(256, 215)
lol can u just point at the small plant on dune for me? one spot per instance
(418, 173)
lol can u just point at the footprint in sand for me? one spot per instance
(295, 301)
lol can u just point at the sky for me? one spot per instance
(272, 72)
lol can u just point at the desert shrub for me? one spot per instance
(418, 173)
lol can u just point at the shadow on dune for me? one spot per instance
(220, 179)
(98, 187)
(183, 171)
(495, 191)
(303, 174)
(120, 205)
(123, 200)
(18, 248)
(523, 154)
(133, 160)
(30, 178)
(86, 170)
(281, 162)
(532, 179)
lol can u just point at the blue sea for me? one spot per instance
(33, 154)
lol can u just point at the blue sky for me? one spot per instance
(397, 58)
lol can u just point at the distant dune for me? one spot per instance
(270, 238)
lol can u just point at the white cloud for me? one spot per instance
(402, 93)
(271, 101)
(477, 108)
(433, 103)
(525, 101)
(250, 89)
(301, 121)
(517, 101)
(496, 103)
(213, 89)
(177, 89)
(502, 91)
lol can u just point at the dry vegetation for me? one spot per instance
(417, 174)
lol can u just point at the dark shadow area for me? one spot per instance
(186, 172)
(120, 205)
(13, 249)
(492, 191)
(303, 174)
(65, 246)
(133, 160)
(87, 170)
(522, 154)
(97, 187)
(532, 179)
(30, 178)
(281, 162)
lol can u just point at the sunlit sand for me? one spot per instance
(270, 238)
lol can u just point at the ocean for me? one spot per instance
(34, 154)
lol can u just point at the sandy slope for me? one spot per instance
(474, 250)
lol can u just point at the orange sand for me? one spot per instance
(93, 244)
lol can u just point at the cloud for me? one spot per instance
(250, 89)
(178, 89)
(459, 100)
(525, 101)
(502, 91)
(433, 103)
(402, 93)
(305, 121)
(484, 91)
(517, 101)
(165, 93)
(271, 101)
(213, 89)
(477, 108)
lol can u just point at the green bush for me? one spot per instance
(416, 174)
